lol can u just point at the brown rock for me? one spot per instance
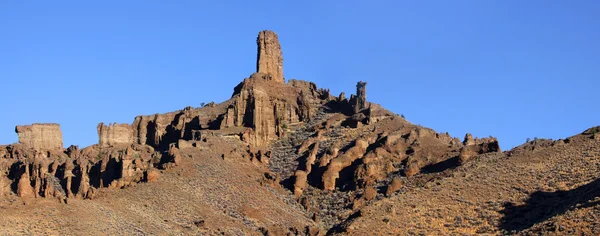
(53, 189)
(4, 185)
(24, 188)
(69, 177)
(344, 160)
(358, 203)
(267, 108)
(270, 59)
(342, 97)
(466, 154)
(370, 193)
(300, 183)
(412, 170)
(360, 102)
(476, 146)
(115, 134)
(40, 136)
(174, 155)
(152, 130)
(84, 184)
(228, 118)
(152, 175)
(394, 186)
(469, 140)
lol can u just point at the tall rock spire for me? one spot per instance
(269, 59)
(361, 96)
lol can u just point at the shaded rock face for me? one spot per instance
(160, 130)
(24, 188)
(74, 173)
(114, 134)
(475, 146)
(39, 167)
(269, 59)
(40, 136)
(360, 102)
(268, 108)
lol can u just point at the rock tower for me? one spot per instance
(361, 96)
(269, 59)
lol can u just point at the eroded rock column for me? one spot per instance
(270, 59)
(361, 97)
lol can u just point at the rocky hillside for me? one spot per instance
(289, 158)
(541, 187)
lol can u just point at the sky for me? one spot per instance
(511, 69)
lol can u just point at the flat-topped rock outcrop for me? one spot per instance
(40, 136)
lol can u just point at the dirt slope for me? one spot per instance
(204, 194)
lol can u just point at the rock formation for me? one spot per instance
(114, 134)
(360, 102)
(268, 107)
(24, 188)
(475, 146)
(39, 167)
(339, 163)
(326, 146)
(259, 111)
(269, 59)
(40, 136)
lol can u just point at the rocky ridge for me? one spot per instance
(328, 162)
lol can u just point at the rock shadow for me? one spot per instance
(335, 106)
(544, 205)
(450, 163)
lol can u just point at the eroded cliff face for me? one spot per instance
(39, 167)
(73, 173)
(160, 130)
(268, 108)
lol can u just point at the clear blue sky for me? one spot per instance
(512, 69)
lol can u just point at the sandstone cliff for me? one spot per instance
(114, 134)
(40, 136)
